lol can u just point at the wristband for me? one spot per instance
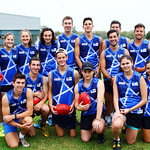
(15, 116)
(110, 79)
(129, 110)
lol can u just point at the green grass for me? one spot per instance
(40, 142)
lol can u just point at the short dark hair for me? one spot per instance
(115, 22)
(34, 59)
(18, 76)
(42, 32)
(111, 31)
(66, 18)
(139, 25)
(87, 18)
(147, 62)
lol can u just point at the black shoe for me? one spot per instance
(101, 138)
(116, 145)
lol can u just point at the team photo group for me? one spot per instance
(107, 80)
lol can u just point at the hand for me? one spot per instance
(8, 118)
(83, 107)
(112, 80)
(138, 69)
(52, 110)
(124, 111)
(116, 115)
(38, 106)
(97, 73)
(27, 126)
(71, 109)
(39, 94)
(97, 126)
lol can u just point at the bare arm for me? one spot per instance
(103, 45)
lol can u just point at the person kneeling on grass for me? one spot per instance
(92, 117)
(17, 108)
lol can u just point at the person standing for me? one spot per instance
(61, 91)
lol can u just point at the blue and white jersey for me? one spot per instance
(112, 60)
(34, 85)
(17, 106)
(8, 66)
(89, 49)
(122, 42)
(47, 57)
(129, 91)
(63, 86)
(147, 106)
(139, 54)
(68, 43)
(92, 92)
(24, 55)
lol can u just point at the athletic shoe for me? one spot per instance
(38, 124)
(116, 145)
(108, 124)
(49, 121)
(45, 131)
(24, 143)
(101, 138)
(2, 131)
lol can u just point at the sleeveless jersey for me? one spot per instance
(47, 57)
(112, 60)
(68, 43)
(147, 106)
(17, 106)
(129, 91)
(122, 42)
(34, 85)
(89, 50)
(8, 66)
(24, 55)
(92, 92)
(139, 54)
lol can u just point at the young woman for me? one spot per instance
(146, 115)
(130, 94)
(8, 59)
(25, 51)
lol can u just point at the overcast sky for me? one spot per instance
(51, 12)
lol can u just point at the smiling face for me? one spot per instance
(116, 27)
(47, 36)
(88, 26)
(19, 84)
(9, 41)
(61, 59)
(113, 39)
(67, 24)
(87, 74)
(139, 33)
(35, 66)
(25, 37)
(148, 68)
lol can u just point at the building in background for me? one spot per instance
(15, 23)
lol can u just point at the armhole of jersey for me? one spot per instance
(79, 41)
(73, 72)
(51, 77)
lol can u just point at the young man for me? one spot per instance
(88, 46)
(110, 66)
(67, 40)
(17, 107)
(92, 117)
(122, 41)
(61, 91)
(139, 49)
(38, 84)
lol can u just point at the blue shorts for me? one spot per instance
(8, 128)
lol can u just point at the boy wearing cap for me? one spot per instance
(92, 117)
(61, 91)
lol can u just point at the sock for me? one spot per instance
(111, 114)
(1, 124)
(107, 118)
(21, 136)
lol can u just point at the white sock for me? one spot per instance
(111, 114)
(107, 118)
(21, 136)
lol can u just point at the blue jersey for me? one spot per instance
(147, 106)
(129, 91)
(89, 50)
(47, 57)
(139, 54)
(68, 43)
(63, 86)
(122, 42)
(24, 55)
(17, 106)
(34, 85)
(8, 66)
(112, 60)
(92, 92)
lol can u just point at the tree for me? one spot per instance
(148, 35)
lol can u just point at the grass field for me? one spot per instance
(40, 142)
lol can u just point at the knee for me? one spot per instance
(28, 120)
(32, 134)
(13, 145)
(45, 109)
(116, 126)
(85, 139)
(73, 134)
(130, 142)
(147, 140)
(60, 134)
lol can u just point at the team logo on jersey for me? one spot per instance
(107, 56)
(23, 101)
(21, 52)
(53, 50)
(14, 56)
(72, 41)
(38, 85)
(56, 79)
(42, 49)
(135, 84)
(69, 79)
(119, 55)
(29, 85)
(143, 50)
(132, 50)
(3, 55)
(84, 44)
(123, 45)
(95, 44)
(62, 41)
(32, 52)
(93, 91)
(122, 83)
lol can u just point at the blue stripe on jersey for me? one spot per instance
(112, 60)
(63, 86)
(8, 66)
(147, 106)
(24, 55)
(68, 43)
(34, 85)
(139, 54)
(17, 106)
(47, 57)
(129, 91)
(122, 42)
(92, 92)
(89, 50)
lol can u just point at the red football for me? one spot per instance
(1, 77)
(85, 98)
(62, 109)
(36, 99)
